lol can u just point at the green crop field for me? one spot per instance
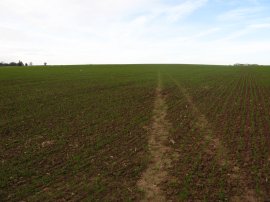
(135, 132)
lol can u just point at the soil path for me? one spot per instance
(215, 147)
(160, 152)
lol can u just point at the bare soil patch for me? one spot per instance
(160, 159)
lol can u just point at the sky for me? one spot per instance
(135, 31)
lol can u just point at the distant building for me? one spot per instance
(244, 65)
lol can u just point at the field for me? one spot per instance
(135, 132)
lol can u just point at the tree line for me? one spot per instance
(20, 63)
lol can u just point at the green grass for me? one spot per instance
(78, 132)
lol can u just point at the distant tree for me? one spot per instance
(26, 64)
(45, 63)
(20, 63)
(13, 64)
(30, 64)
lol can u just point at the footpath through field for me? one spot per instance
(160, 154)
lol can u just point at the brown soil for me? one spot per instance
(160, 161)
(216, 147)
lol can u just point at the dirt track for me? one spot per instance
(216, 147)
(160, 159)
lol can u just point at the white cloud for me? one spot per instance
(178, 11)
(260, 26)
(240, 13)
(117, 31)
(95, 28)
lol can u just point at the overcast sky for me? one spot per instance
(135, 31)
